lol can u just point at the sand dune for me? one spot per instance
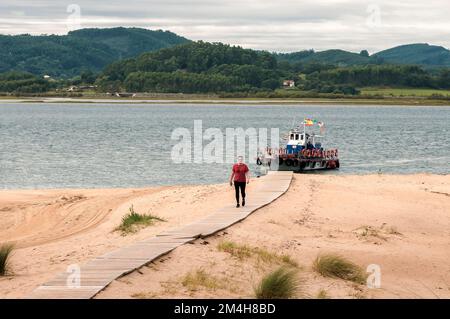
(401, 223)
(55, 228)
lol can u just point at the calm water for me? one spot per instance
(99, 145)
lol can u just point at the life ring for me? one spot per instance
(288, 162)
(303, 152)
(258, 162)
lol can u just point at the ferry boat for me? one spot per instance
(303, 151)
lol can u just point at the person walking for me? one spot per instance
(240, 176)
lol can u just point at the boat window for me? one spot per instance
(296, 136)
(292, 136)
(301, 137)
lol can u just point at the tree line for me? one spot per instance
(201, 67)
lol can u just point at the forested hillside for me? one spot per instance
(81, 50)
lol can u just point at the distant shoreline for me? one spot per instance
(233, 101)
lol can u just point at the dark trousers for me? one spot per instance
(237, 186)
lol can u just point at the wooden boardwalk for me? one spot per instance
(96, 274)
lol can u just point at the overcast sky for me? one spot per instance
(283, 26)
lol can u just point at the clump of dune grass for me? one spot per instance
(244, 251)
(368, 231)
(200, 278)
(235, 250)
(144, 295)
(322, 294)
(133, 221)
(288, 260)
(335, 266)
(281, 283)
(5, 254)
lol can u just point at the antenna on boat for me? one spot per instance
(293, 122)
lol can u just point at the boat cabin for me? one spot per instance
(300, 139)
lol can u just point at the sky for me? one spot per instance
(281, 26)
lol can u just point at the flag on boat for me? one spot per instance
(311, 122)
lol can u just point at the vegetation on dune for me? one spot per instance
(5, 254)
(244, 251)
(200, 278)
(133, 221)
(322, 294)
(281, 283)
(335, 266)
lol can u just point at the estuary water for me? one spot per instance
(90, 145)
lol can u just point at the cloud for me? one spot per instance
(261, 24)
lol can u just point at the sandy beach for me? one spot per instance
(399, 222)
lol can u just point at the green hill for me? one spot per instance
(420, 54)
(198, 67)
(85, 49)
(335, 57)
(192, 68)
(428, 56)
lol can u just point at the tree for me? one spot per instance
(364, 53)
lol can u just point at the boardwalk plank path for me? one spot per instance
(98, 273)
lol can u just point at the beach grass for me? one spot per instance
(281, 283)
(200, 278)
(322, 294)
(335, 266)
(245, 251)
(133, 221)
(235, 250)
(5, 254)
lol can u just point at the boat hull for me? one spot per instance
(310, 165)
(304, 165)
